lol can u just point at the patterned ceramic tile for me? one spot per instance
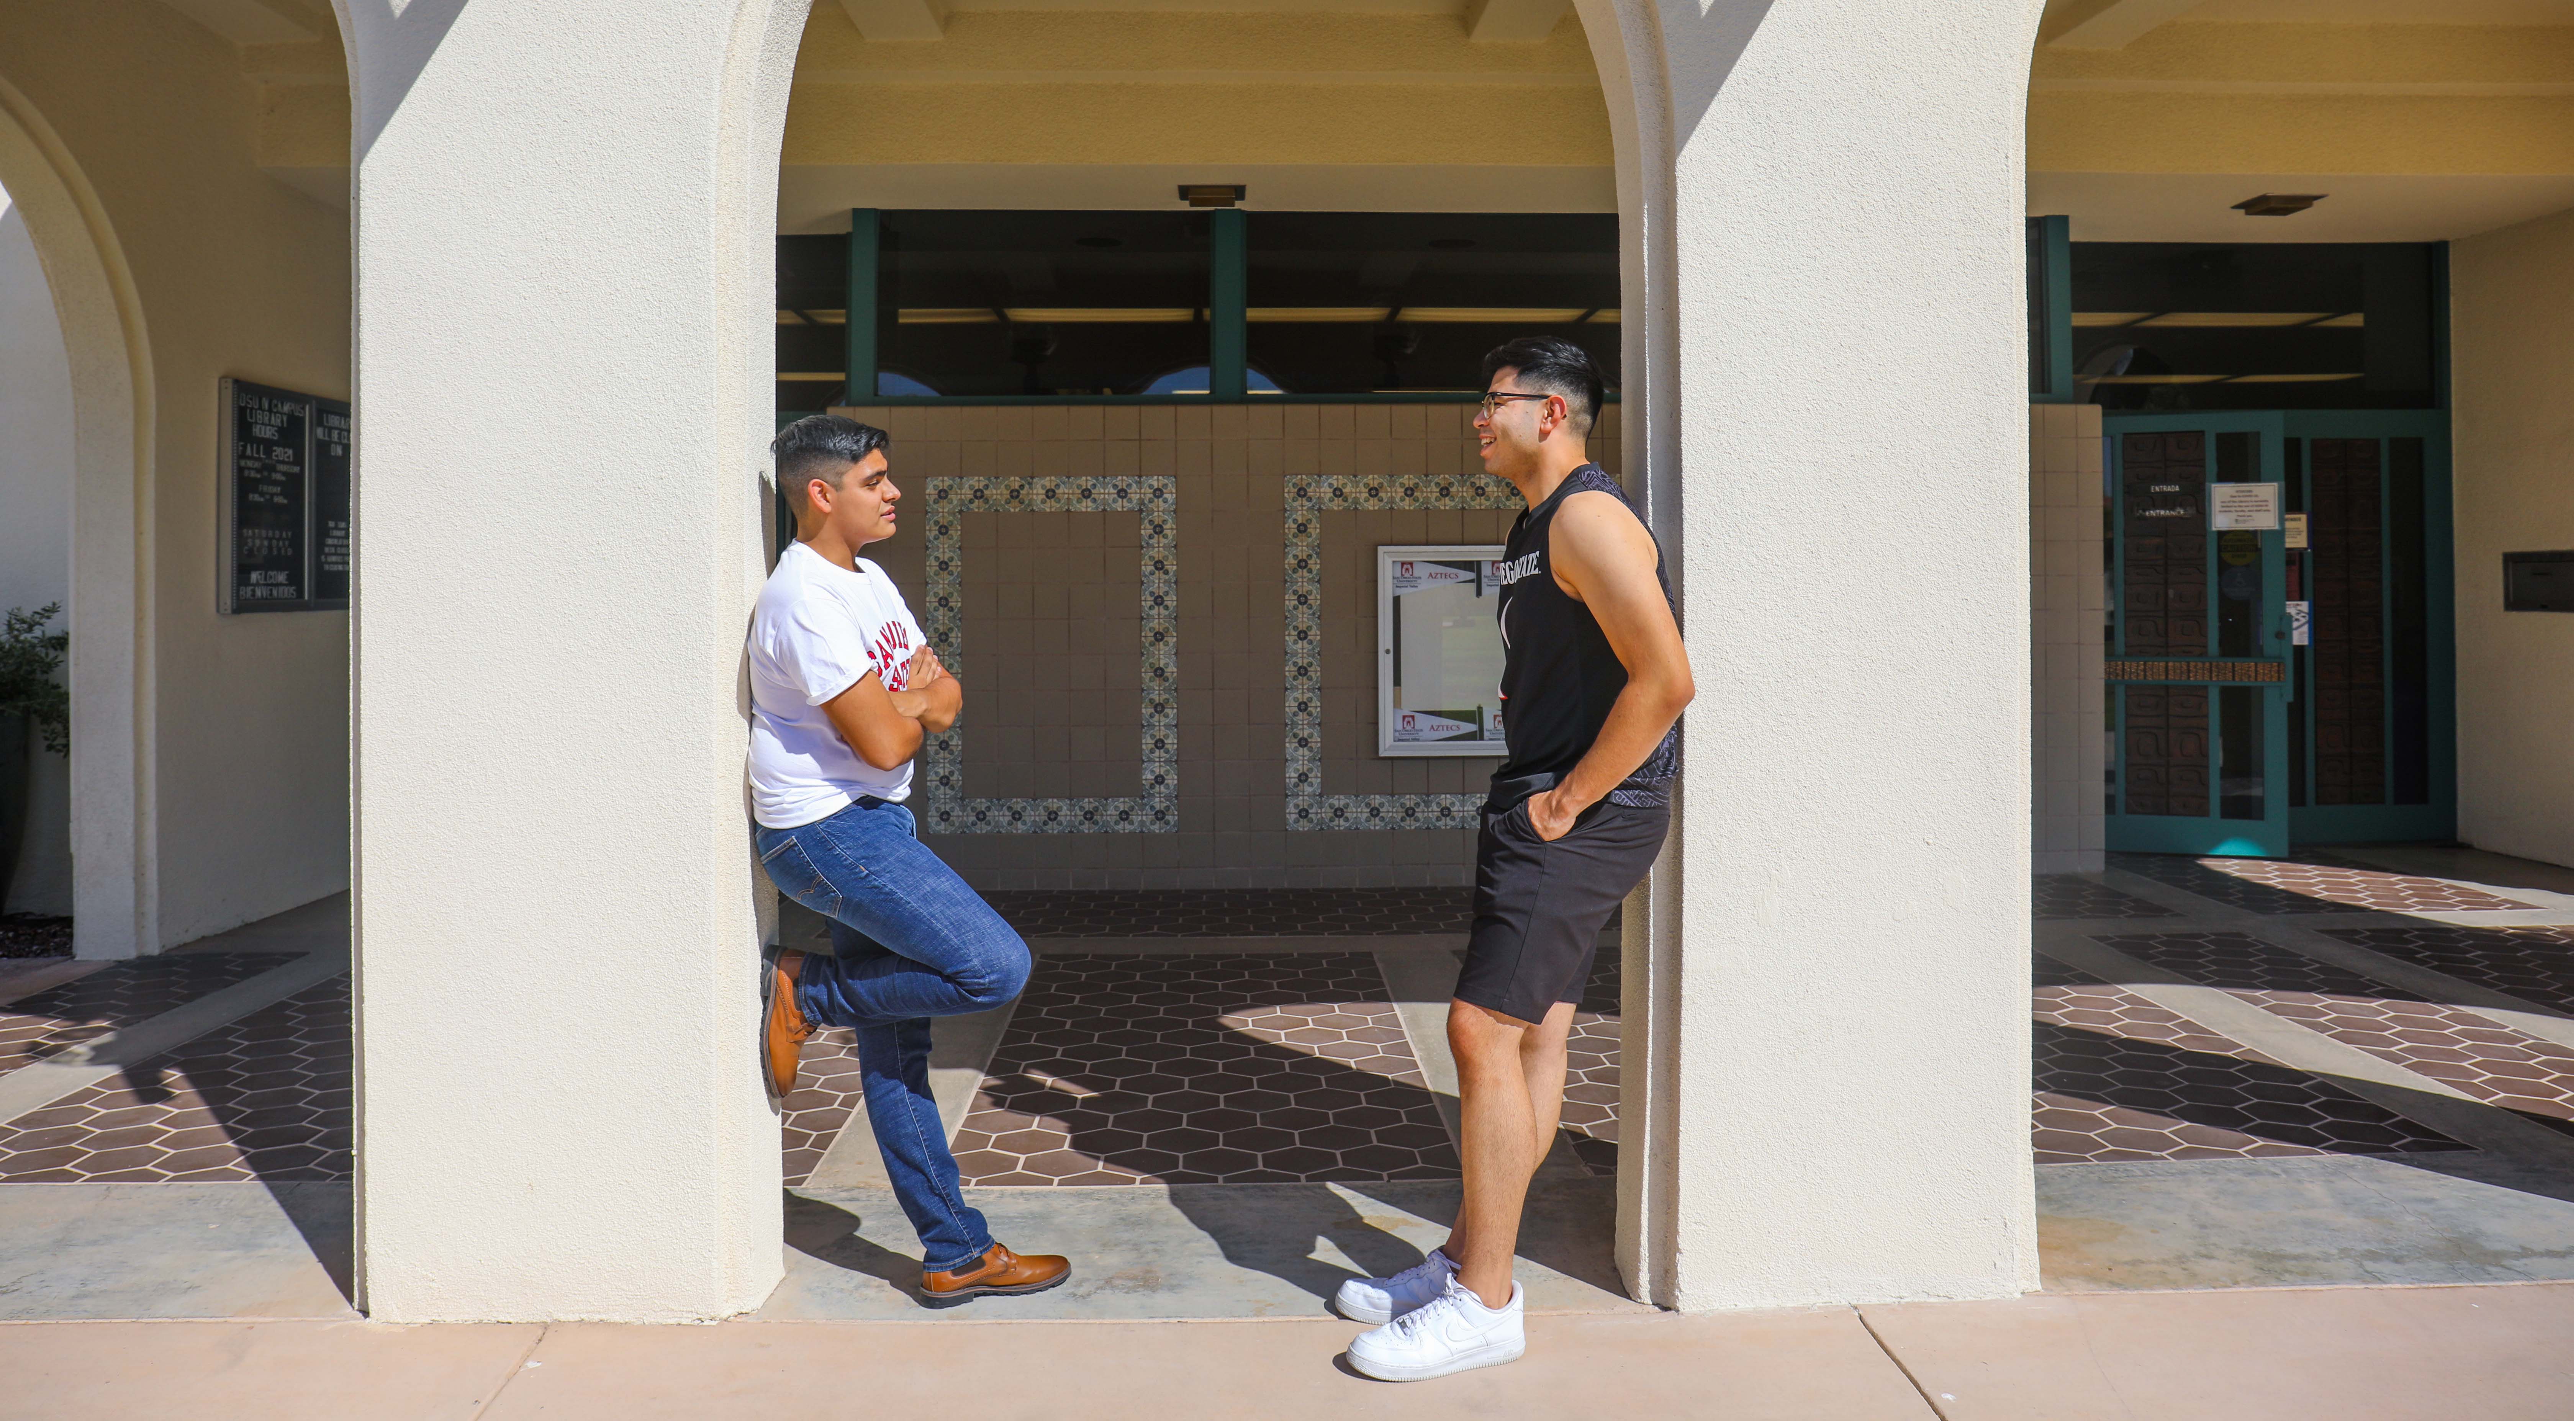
(2116, 1077)
(1591, 1114)
(267, 1098)
(2462, 1049)
(826, 1099)
(2065, 895)
(2238, 961)
(1156, 808)
(1130, 1069)
(118, 995)
(2285, 886)
(2472, 1053)
(1235, 912)
(1309, 498)
(2530, 963)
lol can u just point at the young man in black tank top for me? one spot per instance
(1594, 677)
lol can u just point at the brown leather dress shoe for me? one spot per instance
(786, 1030)
(998, 1271)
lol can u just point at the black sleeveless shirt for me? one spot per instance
(1559, 674)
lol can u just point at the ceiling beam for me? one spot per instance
(2114, 25)
(1511, 21)
(883, 20)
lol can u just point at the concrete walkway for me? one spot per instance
(2492, 1352)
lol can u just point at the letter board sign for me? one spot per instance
(287, 530)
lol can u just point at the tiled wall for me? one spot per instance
(2068, 738)
(1051, 605)
(1050, 650)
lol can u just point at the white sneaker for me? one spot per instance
(1377, 1301)
(1454, 1332)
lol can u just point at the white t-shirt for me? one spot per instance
(815, 631)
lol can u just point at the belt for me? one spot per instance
(1507, 793)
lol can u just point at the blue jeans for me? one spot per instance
(910, 941)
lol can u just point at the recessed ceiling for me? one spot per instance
(2374, 207)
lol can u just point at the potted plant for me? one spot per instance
(32, 698)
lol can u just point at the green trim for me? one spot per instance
(1228, 258)
(859, 351)
(2056, 356)
(2440, 281)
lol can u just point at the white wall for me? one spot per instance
(2510, 391)
(1823, 204)
(35, 532)
(565, 364)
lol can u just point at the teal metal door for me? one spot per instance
(2371, 712)
(2197, 662)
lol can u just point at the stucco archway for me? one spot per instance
(543, 1133)
(1821, 209)
(114, 890)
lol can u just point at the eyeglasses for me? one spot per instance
(1494, 399)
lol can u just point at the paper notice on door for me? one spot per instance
(2298, 623)
(2294, 531)
(2254, 507)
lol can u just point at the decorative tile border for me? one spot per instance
(1309, 497)
(1157, 809)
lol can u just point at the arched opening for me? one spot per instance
(1187, 310)
(163, 248)
(35, 587)
(79, 481)
(2296, 349)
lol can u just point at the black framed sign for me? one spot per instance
(287, 542)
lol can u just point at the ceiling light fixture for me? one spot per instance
(1211, 194)
(2279, 204)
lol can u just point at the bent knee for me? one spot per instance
(1005, 976)
(1475, 1030)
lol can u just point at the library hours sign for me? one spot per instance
(286, 500)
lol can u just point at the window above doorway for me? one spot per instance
(2172, 326)
(1180, 307)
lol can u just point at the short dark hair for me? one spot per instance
(821, 446)
(1555, 365)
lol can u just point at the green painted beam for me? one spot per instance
(859, 351)
(1227, 259)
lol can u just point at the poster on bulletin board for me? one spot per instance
(1440, 654)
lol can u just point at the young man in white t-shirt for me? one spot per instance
(842, 691)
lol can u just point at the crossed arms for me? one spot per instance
(885, 727)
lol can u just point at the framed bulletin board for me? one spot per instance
(287, 529)
(1439, 652)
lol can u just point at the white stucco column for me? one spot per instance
(1827, 1095)
(564, 284)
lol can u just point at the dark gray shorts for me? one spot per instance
(1540, 906)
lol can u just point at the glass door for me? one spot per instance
(2371, 728)
(2199, 635)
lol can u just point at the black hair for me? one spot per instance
(1556, 366)
(821, 446)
